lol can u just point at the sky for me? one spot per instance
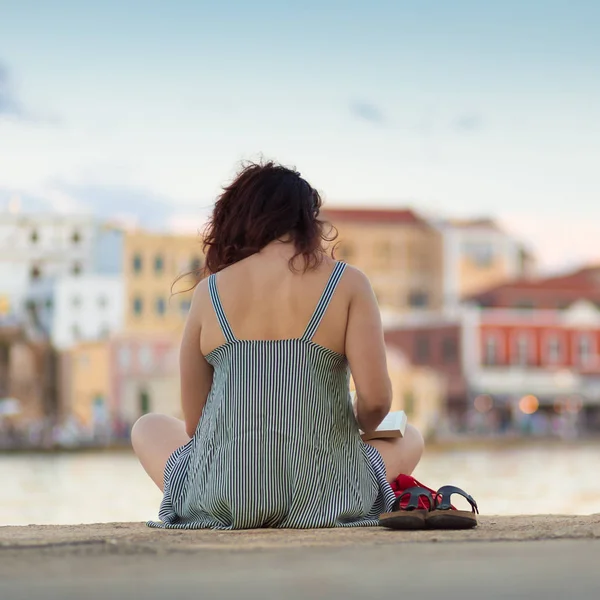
(143, 110)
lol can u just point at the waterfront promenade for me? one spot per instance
(521, 556)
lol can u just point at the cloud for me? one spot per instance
(366, 111)
(128, 205)
(110, 201)
(468, 122)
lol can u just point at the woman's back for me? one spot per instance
(264, 299)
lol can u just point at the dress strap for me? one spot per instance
(321, 309)
(216, 302)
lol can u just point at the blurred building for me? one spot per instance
(478, 255)
(538, 340)
(37, 246)
(433, 343)
(417, 390)
(28, 377)
(523, 349)
(85, 385)
(557, 292)
(144, 373)
(152, 263)
(551, 354)
(74, 308)
(400, 252)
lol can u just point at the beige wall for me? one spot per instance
(85, 380)
(474, 278)
(152, 286)
(163, 392)
(419, 391)
(400, 259)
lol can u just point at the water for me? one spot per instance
(111, 486)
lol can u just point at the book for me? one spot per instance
(393, 426)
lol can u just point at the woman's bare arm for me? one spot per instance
(365, 350)
(196, 374)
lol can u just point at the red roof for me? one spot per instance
(545, 293)
(369, 215)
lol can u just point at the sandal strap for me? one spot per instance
(445, 493)
(413, 493)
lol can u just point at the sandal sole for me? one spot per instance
(450, 519)
(403, 520)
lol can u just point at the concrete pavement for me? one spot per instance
(506, 557)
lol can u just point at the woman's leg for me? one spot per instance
(400, 455)
(154, 438)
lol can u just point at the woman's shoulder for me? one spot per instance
(355, 279)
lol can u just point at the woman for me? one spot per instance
(269, 437)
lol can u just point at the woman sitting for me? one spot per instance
(270, 437)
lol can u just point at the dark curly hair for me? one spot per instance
(265, 202)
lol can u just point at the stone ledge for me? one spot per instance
(136, 537)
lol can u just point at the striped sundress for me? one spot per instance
(277, 444)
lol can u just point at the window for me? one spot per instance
(124, 357)
(449, 350)
(75, 332)
(521, 351)
(159, 264)
(34, 236)
(4, 354)
(137, 263)
(185, 306)
(345, 251)
(76, 237)
(76, 301)
(102, 302)
(160, 306)
(145, 357)
(585, 349)
(479, 253)
(76, 269)
(417, 299)
(138, 305)
(383, 251)
(35, 273)
(491, 350)
(49, 303)
(421, 348)
(554, 350)
(524, 304)
(196, 264)
(104, 332)
(144, 400)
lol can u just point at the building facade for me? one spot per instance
(85, 387)
(28, 381)
(76, 308)
(152, 263)
(551, 354)
(523, 352)
(479, 255)
(49, 246)
(435, 342)
(419, 391)
(400, 252)
(144, 377)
